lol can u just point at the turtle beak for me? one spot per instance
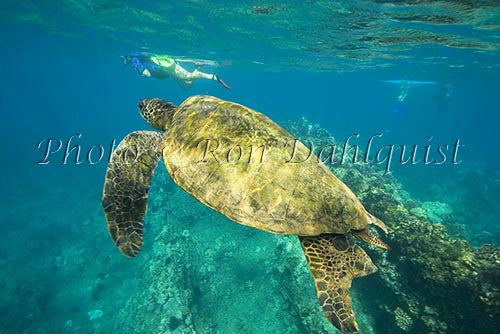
(141, 104)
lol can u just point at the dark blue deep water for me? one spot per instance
(305, 64)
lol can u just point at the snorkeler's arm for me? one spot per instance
(138, 65)
(126, 60)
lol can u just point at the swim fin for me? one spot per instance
(219, 80)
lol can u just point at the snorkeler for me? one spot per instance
(162, 66)
(404, 89)
(403, 94)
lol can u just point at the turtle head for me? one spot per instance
(157, 112)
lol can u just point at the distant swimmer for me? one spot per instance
(163, 66)
(403, 91)
(404, 88)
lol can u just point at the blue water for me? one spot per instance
(324, 61)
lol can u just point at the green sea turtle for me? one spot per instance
(238, 162)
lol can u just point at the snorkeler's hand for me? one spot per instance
(146, 73)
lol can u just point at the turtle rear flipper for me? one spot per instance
(334, 261)
(126, 187)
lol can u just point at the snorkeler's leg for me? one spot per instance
(201, 75)
(181, 74)
(214, 77)
(197, 74)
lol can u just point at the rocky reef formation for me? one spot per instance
(206, 274)
(200, 273)
(430, 282)
(209, 275)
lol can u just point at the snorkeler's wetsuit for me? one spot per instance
(160, 67)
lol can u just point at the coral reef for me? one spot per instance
(433, 211)
(435, 280)
(209, 275)
(200, 273)
(402, 319)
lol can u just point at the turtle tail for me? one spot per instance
(367, 236)
(377, 222)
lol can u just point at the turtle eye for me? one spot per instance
(141, 104)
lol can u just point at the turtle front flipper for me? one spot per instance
(126, 187)
(334, 261)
